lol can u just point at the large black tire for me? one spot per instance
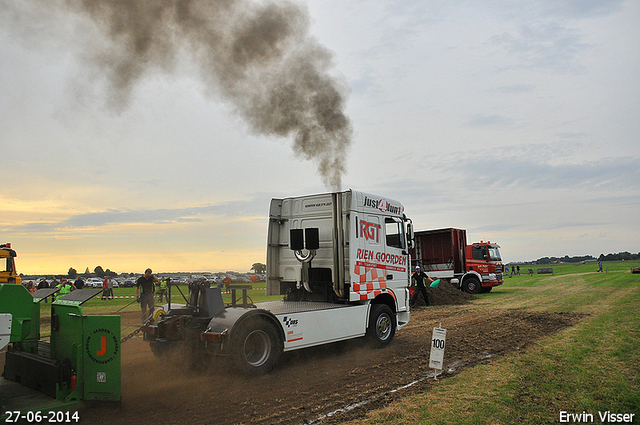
(382, 325)
(257, 347)
(472, 285)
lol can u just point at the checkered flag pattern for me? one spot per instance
(371, 283)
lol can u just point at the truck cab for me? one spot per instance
(7, 265)
(483, 259)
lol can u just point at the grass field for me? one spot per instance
(588, 369)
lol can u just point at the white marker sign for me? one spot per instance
(5, 329)
(437, 348)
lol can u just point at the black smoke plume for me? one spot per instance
(256, 55)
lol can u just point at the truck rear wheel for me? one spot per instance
(472, 285)
(382, 325)
(257, 347)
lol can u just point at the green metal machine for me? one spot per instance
(80, 362)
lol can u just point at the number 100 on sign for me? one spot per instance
(438, 339)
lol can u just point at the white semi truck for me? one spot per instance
(341, 263)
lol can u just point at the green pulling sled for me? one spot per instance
(81, 361)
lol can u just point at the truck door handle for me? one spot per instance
(389, 277)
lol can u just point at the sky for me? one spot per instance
(516, 120)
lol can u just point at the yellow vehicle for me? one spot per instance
(7, 265)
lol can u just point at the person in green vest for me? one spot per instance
(162, 290)
(65, 287)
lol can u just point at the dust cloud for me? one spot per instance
(257, 56)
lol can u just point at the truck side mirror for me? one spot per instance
(296, 239)
(410, 236)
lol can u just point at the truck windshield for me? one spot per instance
(494, 253)
(5, 265)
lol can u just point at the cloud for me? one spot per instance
(113, 216)
(564, 164)
(235, 209)
(365, 83)
(582, 9)
(490, 121)
(615, 173)
(546, 45)
(516, 88)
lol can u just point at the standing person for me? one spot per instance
(162, 290)
(518, 270)
(55, 284)
(105, 289)
(600, 266)
(147, 283)
(79, 283)
(110, 284)
(65, 287)
(419, 276)
(43, 284)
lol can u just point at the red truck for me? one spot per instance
(444, 254)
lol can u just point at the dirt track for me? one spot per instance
(310, 384)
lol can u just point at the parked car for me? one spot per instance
(93, 282)
(129, 282)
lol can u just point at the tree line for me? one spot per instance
(258, 268)
(621, 256)
(98, 271)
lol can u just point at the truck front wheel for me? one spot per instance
(382, 325)
(257, 347)
(472, 285)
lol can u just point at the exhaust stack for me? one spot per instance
(338, 245)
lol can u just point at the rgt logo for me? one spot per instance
(290, 323)
(102, 346)
(370, 231)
